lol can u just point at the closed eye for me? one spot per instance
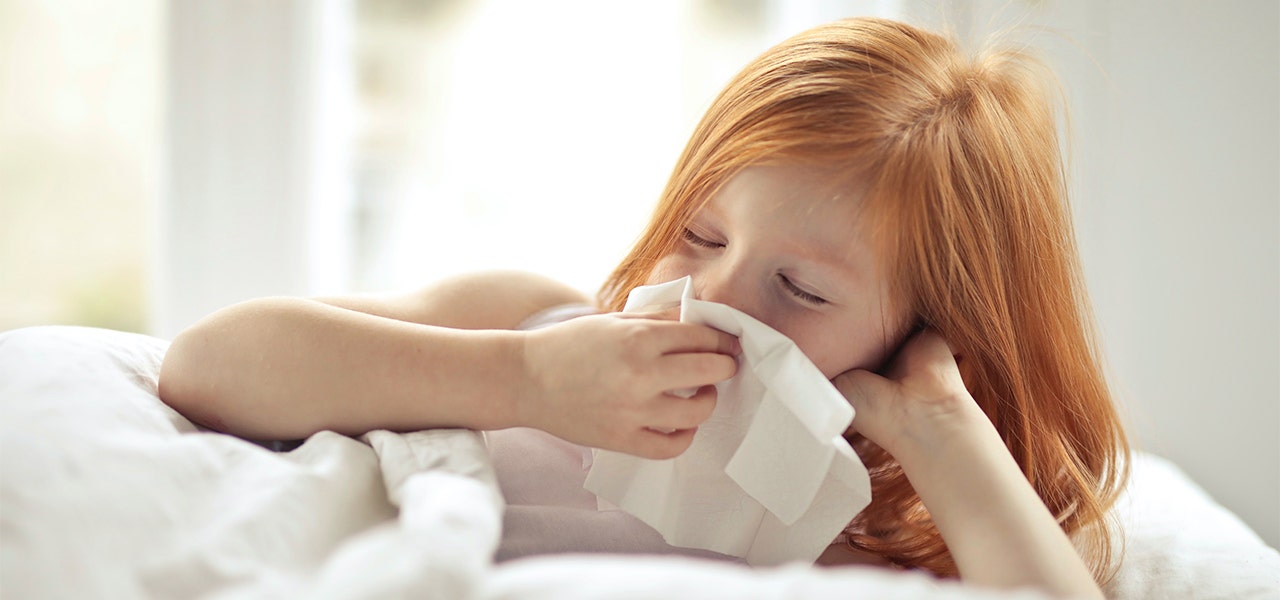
(795, 290)
(697, 240)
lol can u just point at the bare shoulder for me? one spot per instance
(484, 300)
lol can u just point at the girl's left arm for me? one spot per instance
(998, 530)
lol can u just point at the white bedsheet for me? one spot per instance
(105, 492)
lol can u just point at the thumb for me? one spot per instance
(866, 392)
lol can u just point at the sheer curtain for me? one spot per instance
(332, 146)
(535, 135)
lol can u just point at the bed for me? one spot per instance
(105, 492)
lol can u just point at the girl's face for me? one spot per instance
(779, 245)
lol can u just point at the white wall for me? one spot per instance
(1186, 221)
(1175, 108)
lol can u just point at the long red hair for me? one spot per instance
(967, 190)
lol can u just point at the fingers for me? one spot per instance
(669, 335)
(674, 412)
(670, 313)
(862, 389)
(674, 422)
(677, 371)
(924, 352)
(661, 446)
(687, 337)
(666, 314)
(921, 386)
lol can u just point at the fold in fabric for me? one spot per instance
(769, 476)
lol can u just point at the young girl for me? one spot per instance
(894, 207)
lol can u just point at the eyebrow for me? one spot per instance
(826, 258)
(830, 255)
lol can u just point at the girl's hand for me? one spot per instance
(917, 405)
(606, 380)
(996, 527)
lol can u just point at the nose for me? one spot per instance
(724, 284)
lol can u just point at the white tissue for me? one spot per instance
(769, 477)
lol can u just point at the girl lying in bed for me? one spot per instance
(894, 207)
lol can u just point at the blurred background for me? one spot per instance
(159, 160)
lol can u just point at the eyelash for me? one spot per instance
(792, 288)
(697, 240)
(795, 290)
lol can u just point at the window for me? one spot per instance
(527, 135)
(366, 145)
(80, 98)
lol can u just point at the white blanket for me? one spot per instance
(105, 492)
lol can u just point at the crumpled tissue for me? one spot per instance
(769, 477)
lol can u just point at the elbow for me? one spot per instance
(185, 384)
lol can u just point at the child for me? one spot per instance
(895, 208)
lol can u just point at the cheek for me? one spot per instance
(836, 348)
(830, 354)
(670, 268)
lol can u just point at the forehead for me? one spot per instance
(815, 208)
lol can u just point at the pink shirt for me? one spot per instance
(548, 512)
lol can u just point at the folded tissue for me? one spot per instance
(769, 477)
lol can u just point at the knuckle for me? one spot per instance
(639, 335)
(641, 330)
(635, 378)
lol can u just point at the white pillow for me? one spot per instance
(1180, 543)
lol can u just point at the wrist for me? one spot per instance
(529, 388)
(495, 402)
(959, 434)
(997, 527)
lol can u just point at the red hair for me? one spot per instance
(967, 190)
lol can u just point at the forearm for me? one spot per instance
(284, 368)
(998, 530)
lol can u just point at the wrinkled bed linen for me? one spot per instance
(109, 493)
(549, 512)
(105, 492)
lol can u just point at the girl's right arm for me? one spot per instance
(997, 529)
(284, 368)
